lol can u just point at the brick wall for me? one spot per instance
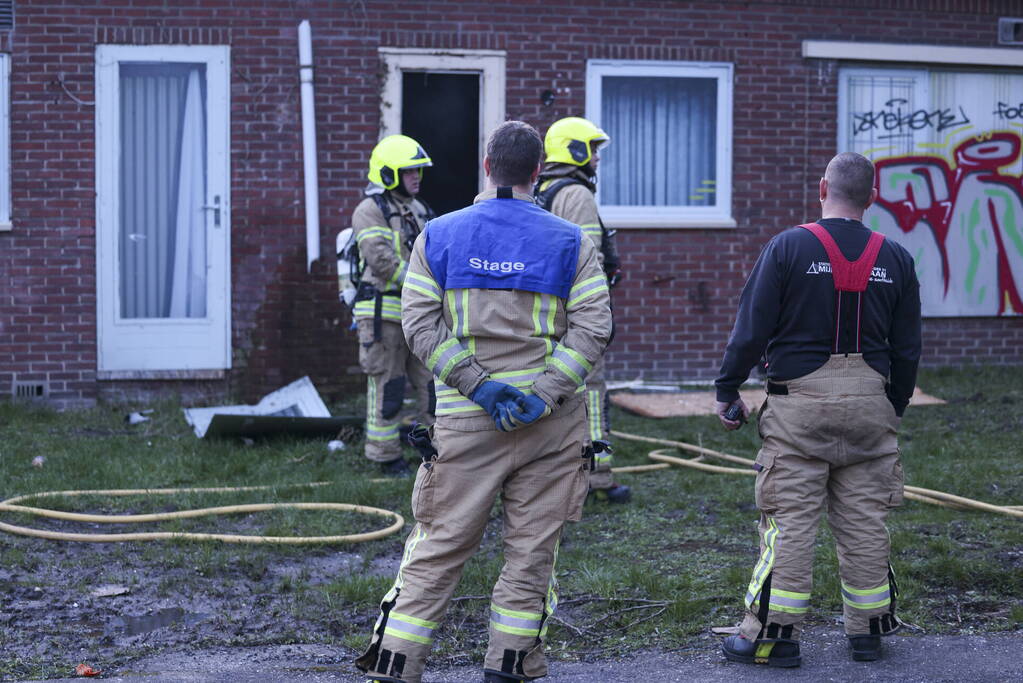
(674, 308)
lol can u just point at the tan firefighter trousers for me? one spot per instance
(389, 366)
(830, 442)
(540, 474)
(597, 425)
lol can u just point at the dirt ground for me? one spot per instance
(908, 659)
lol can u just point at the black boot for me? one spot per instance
(494, 677)
(865, 648)
(395, 468)
(783, 653)
(617, 493)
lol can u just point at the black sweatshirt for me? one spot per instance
(788, 307)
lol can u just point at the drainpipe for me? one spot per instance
(312, 196)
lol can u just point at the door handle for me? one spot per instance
(215, 208)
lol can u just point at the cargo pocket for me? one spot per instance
(764, 489)
(422, 494)
(896, 494)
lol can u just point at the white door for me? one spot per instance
(163, 210)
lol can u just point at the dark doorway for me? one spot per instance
(442, 112)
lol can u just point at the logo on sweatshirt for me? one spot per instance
(502, 266)
(877, 273)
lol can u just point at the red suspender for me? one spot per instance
(848, 276)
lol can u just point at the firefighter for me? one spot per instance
(386, 224)
(837, 308)
(566, 188)
(507, 306)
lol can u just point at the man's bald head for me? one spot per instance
(850, 179)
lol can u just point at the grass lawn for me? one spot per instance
(654, 574)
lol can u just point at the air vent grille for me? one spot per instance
(1010, 31)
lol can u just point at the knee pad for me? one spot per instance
(394, 394)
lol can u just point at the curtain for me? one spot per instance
(663, 141)
(162, 250)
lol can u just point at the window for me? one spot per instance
(669, 163)
(946, 143)
(5, 142)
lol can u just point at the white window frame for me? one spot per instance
(488, 64)
(717, 216)
(5, 142)
(176, 338)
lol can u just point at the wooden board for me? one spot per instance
(689, 403)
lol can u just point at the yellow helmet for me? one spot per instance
(570, 141)
(392, 155)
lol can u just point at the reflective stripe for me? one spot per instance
(550, 605)
(586, 289)
(423, 285)
(378, 232)
(376, 429)
(418, 535)
(571, 363)
(446, 356)
(764, 565)
(399, 275)
(867, 599)
(450, 401)
(593, 410)
(410, 628)
(545, 307)
(788, 601)
(516, 623)
(390, 308)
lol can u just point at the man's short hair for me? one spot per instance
(515, 150)
(850, 178)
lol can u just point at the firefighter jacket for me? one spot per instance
(504, 290)
(575, 202)
(385, 243)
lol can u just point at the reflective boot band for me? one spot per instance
(764, 565)
(410, 628)
(516, 623)
(788, 601)
(872, 598)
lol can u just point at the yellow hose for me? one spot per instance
(10, 505)
(911, 492)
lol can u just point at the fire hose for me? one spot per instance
(662, 457)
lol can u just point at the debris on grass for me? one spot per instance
(138, 416)
(84, 669)
(295, 409)
(38, 461)
(109, 590)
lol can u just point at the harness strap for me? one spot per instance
(848, 276)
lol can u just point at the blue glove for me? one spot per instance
(528, 410)
(498, 399)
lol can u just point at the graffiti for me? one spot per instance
(1008, 112)
(895, 122)
(961, 220)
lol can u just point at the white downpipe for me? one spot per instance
(312, 194)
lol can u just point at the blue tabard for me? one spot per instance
(503, 244)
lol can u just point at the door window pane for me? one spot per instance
(162, 234)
